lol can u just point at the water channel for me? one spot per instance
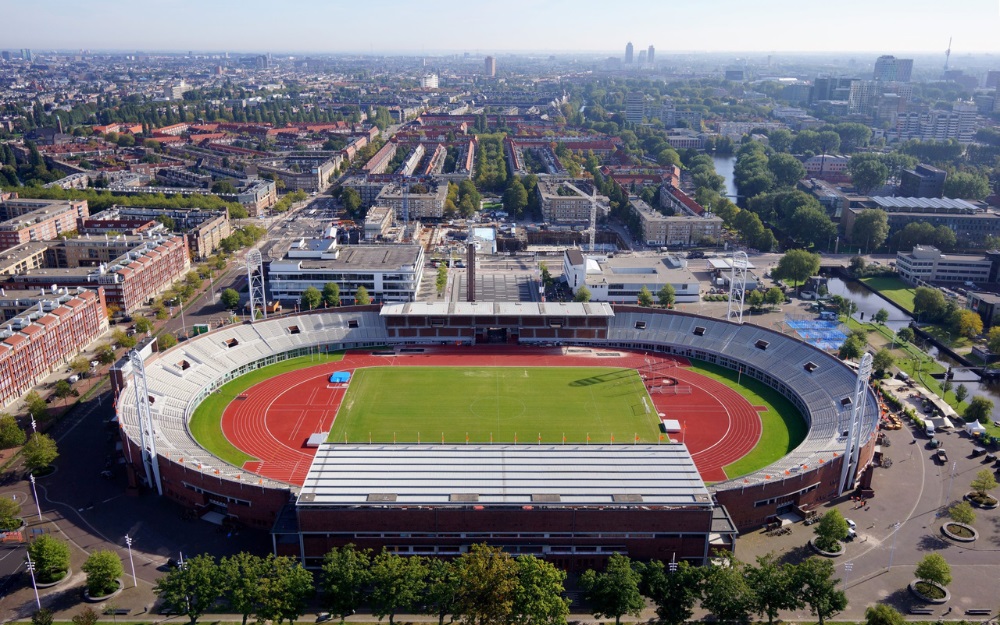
(724, 166)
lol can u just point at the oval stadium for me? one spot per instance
(565, 430)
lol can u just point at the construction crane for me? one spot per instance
(592, 228)
(947, 54)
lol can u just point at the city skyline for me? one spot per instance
(396, 27)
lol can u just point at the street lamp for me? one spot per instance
(35, 492)
(34, 425)
(128, 543)
(31, 569)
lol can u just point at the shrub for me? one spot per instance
(51, 558)
(103, 568)
(10, 512)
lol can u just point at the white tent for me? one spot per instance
(975, 428)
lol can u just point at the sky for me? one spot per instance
(427, 27)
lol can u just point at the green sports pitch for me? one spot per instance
(483, 404)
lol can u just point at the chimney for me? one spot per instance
(470, 270)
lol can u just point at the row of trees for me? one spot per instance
(329, 297)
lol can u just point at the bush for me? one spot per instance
(10, 512)
(103, 568)
(830, 530)
(51, 558)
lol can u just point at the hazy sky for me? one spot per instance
(429, 26)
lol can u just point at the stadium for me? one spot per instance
(376, 425)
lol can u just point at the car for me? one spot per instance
(851, 535)
(851, 524)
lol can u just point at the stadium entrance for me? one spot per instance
(496, 336)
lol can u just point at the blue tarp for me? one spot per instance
(340, 376)
(825, 335)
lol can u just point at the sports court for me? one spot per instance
(826, 335)
(272, 421)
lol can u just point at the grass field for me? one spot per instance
(893, 289)
(783, 427)
(407, 403)
(205, 424)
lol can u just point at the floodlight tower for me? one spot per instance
(255, 282)
(147, 435)
(859, 402)
(737, 286)
(593, 218)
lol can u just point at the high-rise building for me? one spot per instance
(642, 57)
(635, 107)
(628, 53)
(491, 66)
(863, 97)
(993, 79)
(651, 55)
(890, 69)
(5, 55)
(429, 81)
(26, 54)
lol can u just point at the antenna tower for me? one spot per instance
(947, 54)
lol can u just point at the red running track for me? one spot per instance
(275, 418)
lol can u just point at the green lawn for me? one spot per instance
(206, 422)
(783, 427)
(893, 289)
(407, 403)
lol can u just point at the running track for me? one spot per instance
(274, 419)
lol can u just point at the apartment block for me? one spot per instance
(48, 335)
(569, 202)
(663, 230)
(414, 202)
(38, 220)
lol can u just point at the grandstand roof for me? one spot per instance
(520, 309)
(922, 202)
(464, 475)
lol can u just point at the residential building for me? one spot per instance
(424, 200)
(569, 202)
(24, 257)
(490, 66)
(678, 202)
(306, 173)
(830, 167)
(390, 273)
(939, 125)
(378, 220)
(378, 163)
(971, 223)
(620, 279)
(635, 107)
(992, 79)
(651, 55)
(663, 230)
(890, 69)
(46, 336)
(927, 265)
(683, 138)
(38, 220)
(922, 181)
(204, 229)
(429, 81)
(628, 53)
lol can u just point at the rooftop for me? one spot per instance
(890, 203)
(504, 475)
(358, 257)
(565, 309)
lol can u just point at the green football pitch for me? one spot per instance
(407, 404)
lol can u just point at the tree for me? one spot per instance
(883, 361)
(10, 512)
(797, 266)
(818, 588)
(962, 512)
(728, 593)
(103, 568)
(487, 583)
(344, 579)
(645, 297)
(851, 349)
(881, 316)
(442, 589)
(615, 592)
(857, 264)
(967, 323)
(929, 303)
(441, 279)
(674, 592)
(966, 186)
(44, 616)
(961, 392)
(165, 341)
(39, 452)
(80, 365)
(143, 325)
(352, 201)
(905, 334)
(397, 584)
(582, 294)
(191, 588)
(773, 587)
(11, 435)
(979, 409)
(63, 389)
(361, 297)
(105, 355)
(755, 299)
(222, 187)
(780, 140)
(230, 298)
(831, 529)
(786, 169)
(983, 483)
(331, 294)
(883, 614)
(867, 174)
(934, 568)
(122, 339)
(667, 295)
(774, 296)
(86, 616)
(37, 408)
(515, 198)
(538, 598)
(311, 298)
(242, 589)
(285, 588)
(810, 226)
(51, 558)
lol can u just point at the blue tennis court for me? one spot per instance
(826, 335)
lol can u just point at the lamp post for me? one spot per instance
(34, 425)
(31, 569)
(128, 543)
(34, 491)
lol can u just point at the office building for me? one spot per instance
(890, 69)
(922, 181)
(927, 264)
(390, 273)
(642, 58)
(620, 279)
(635, 107)
(47, 335)
(992, 79)
(971, 223)
(491, 66)
(628, 53)
(651, 55)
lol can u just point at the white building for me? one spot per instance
(620, 279)
(429, 81)
(390, 273)
(926, 264)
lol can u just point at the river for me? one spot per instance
(724, 167)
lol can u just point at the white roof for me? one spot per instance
(464, 475)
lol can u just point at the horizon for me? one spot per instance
(386, 27)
